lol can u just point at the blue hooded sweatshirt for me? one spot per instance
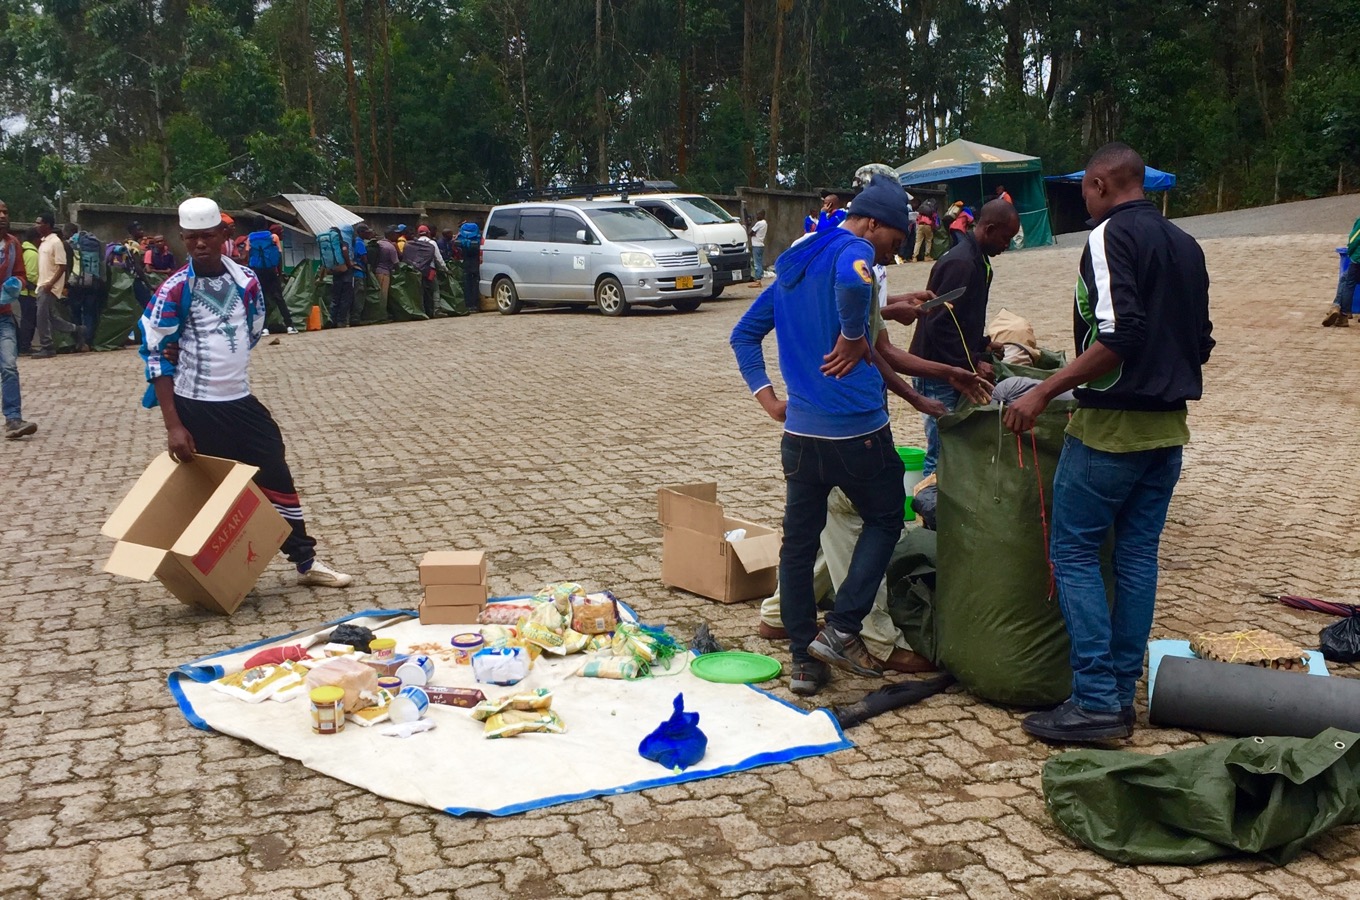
(824, 287)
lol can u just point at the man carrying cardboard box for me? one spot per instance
(197, 334)
(836, 431)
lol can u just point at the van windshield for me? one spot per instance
(703, 210)
(620, 223)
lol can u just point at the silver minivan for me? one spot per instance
(611, 254)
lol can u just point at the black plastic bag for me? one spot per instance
(357, 636)
(1340, 642)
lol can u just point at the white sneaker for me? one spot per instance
(320, 575)
(292, 330)
(264, 333)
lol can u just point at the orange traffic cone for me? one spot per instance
(314, 318)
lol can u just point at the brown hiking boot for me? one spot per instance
(771, 632)
(1334, 317)
(908, 661)
(845, 651)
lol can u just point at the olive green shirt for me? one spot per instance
(1129, 431)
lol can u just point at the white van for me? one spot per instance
(697, 219)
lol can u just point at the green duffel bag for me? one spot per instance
(998, 626)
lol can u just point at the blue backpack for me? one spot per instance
(264, 253)
(469, 238)
(332, 247)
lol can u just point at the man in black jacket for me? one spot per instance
(1143, 336)
(955, 336)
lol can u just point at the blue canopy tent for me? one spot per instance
(971, 172)
(1069, 210)
(1153, 179)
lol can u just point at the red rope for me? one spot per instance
(1043, 514)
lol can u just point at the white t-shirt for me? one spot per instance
(758, 233)
(214, 344)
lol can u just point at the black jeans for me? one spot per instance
(342, 299)
(85, 304)
(472, 291)
(244, 430)
(28, 321)
(429, 291)
(869, 471)
(272, 286)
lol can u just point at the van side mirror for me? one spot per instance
(582, 237)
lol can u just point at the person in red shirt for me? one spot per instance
(11, 267)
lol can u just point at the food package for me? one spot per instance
(630, 640)
(528, 701)
(359, 681)
(1253, 648)
(501, 665)
(560, 595)
(374, 714)
(499, 635)
(594, 613)
(506, 613)
(467, 698)
(514, 722)
(259, 683)
(599, 642)
(623, 668)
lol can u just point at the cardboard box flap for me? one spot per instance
(142, 495)
(757, 553)
(135, 561)
(221, 504)
(690, 506)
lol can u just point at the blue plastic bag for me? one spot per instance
(677, 743)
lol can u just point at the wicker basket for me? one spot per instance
(1253, 648)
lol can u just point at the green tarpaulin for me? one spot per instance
(120, 312)
(1264, 795)
(972, 171)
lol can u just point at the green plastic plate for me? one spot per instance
(735, 667)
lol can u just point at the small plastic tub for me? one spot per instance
(465, 645)
(382, 648)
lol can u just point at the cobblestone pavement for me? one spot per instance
(543, 438)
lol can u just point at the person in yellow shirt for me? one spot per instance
(52, 268)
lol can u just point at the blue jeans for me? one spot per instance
(869, 471)
(9, 368)
(1345, 288)
(935, 390)
(757, 263)
(1094, 492)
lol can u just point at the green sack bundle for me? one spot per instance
(998, 626)
(1264, 795)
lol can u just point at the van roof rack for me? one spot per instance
(591, 191)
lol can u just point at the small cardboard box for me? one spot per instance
(448, 615)
(453, 567)
(202, 528)
(695, 555)
(456, 595)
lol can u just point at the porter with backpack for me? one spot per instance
(265, 257)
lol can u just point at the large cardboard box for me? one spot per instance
(202, 528)
(456, 595)
(695, 555)
(453, 567)
(448, 615)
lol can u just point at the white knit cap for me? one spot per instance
(199, 214)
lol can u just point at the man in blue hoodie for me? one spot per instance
(836, 432)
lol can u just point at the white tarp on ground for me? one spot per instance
(455, 769)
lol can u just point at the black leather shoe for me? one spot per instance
(1129, 717)
(1070, 724)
